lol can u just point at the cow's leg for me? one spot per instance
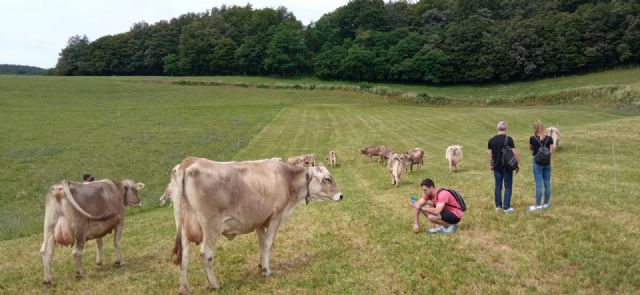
(209, 239)
(261, 232)
(99, 250)
(265, 248)
(184, 282)
(47, 254)
(117, 238)
(78, 247)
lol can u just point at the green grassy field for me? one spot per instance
(57, 128)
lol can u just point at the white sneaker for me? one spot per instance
(535, 207)
(433, 230)
(508, 211)
(545, 206)
(498, 209)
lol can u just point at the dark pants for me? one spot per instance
(503, 176)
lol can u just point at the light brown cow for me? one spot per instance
(555, 134)
(415, 156)
(395, 166)
(78, 212)
(333, 158)
(301, 160)
(216, 198)
(296, 161)
(453, 154)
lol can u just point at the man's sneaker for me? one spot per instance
(432, 230)
(498, 209)
(534, 207)
(545, 206)
(449, 229)
(508, 211)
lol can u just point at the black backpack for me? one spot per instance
(507, 156)
(459, 199)
(543, 157)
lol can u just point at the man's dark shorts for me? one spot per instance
(449, 217)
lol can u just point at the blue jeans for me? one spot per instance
(503, 176)
(542, 174)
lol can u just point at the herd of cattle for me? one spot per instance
(209, 199)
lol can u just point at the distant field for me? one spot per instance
(627, 77)
(58, 128)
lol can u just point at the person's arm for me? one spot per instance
(435, 210)
(490, 160)
(417, 206)
(530, 147)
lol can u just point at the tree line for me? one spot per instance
(433, 41)
(7, 69)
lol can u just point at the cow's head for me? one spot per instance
(131, 193)
(322, 186)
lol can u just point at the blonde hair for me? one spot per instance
(538, 128)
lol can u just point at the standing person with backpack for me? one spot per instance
(445, 211)
(541, 147)
(503, 160)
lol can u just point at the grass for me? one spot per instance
(59, 127)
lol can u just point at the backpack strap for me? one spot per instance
(454, 197)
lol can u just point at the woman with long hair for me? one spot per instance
(541, 147)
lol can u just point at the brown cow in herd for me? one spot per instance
(415, 156)
(377, 150)
(231, 198)
(333, 158)
(77, 212)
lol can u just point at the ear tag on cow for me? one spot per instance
(139, 186)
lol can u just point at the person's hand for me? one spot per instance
(517, 170)
(491, 167)
(416, 228)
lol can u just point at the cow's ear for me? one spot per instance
(139, 186)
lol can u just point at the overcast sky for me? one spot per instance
(33, 32)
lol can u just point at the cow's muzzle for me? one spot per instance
(338, 197)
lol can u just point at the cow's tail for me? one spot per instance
(72, 200)
(176, 255)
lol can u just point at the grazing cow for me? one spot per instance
(301, 160)
(454, 156)
(395, 166)
(78, 212)
(296, 161)
(333, 158)
(385, 154)
(232, 198)
(375, 151)
(555, 134)
(415, 156)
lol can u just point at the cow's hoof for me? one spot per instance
(118, 264)
(98, 262)
(184, 291)
(266, 272)
(47, 284)
(79, 275)
(213, 288)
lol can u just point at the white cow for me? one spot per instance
(453, 154)
(555, 134)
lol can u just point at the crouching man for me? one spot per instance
(439, 206)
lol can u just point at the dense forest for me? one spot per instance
(6, 69)
(433, 41)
